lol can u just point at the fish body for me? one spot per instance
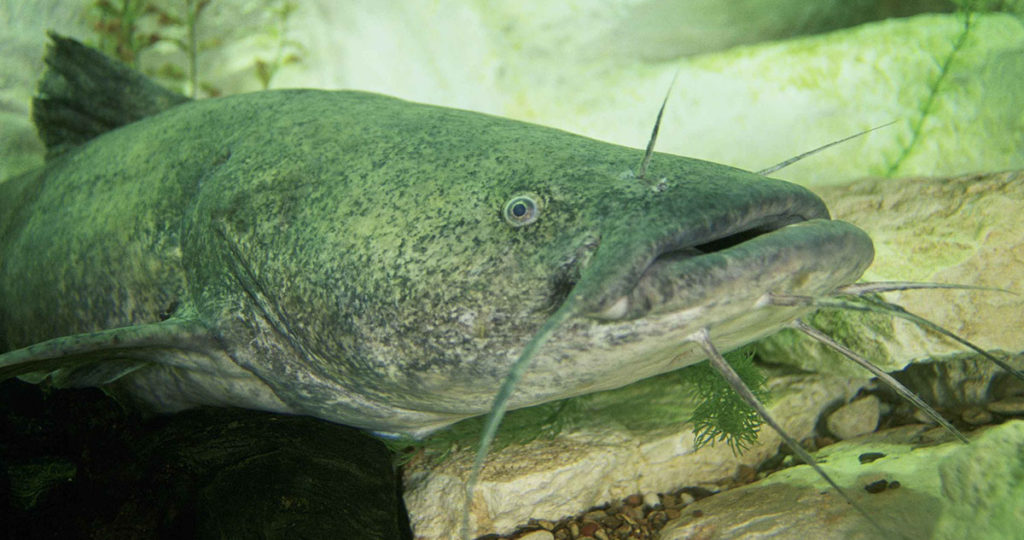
(382, 264)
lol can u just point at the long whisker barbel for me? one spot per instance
(891, 382)
(715, 358)
(871, 304)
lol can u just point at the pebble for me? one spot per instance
(611, 522)
(975, 415)
(658, 519)
(877, 487)
(1012, 406)
(635, 512)
(544, 524)
(856, 418)
(637, 517)
(745, 474)
(922, 417)
(651, 500)
(868, 457)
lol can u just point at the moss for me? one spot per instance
(695, 394)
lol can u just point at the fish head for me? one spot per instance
(403, 255)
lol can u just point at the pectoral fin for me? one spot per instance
(98, 358)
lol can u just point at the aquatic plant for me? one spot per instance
(130, 27)
(127, 28)
(117, 27)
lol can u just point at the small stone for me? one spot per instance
(745, 474)
(672, 513)
(574, 530)
(651, 500)
(868, 457)
(1011, 406)
(855, 419)
(635, 499)
(594, 515)
(808, 443)
(537, 535)
(668, 500)
(823, 441)
(976, 416)
(685, 498)
(589, 528)
(922, 417)
(877, 486)
(895, 484)
(601, 535)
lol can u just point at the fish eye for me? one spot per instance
(521, 210)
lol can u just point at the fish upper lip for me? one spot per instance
(750, 256)
(728, 238)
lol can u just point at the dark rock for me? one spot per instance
(205, 473)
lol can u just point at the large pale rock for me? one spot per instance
(946, 491)
(956, 109)
(952, 91)
(601, 68)
(983, 486)
(965, 230)
(637, 442)
(551, 479)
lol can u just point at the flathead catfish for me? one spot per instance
(379, 263)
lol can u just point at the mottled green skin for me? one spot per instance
(347, 255)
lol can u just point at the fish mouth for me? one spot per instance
(732, 270)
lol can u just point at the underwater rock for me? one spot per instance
(855, 418)
(790, 504)
(204, 473)
(961, 230)
(582, 468)
(1013, 406)
(982, 488)
(977, 493)
(537, 535)
(587, 466)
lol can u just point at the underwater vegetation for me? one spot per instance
(126, 29)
